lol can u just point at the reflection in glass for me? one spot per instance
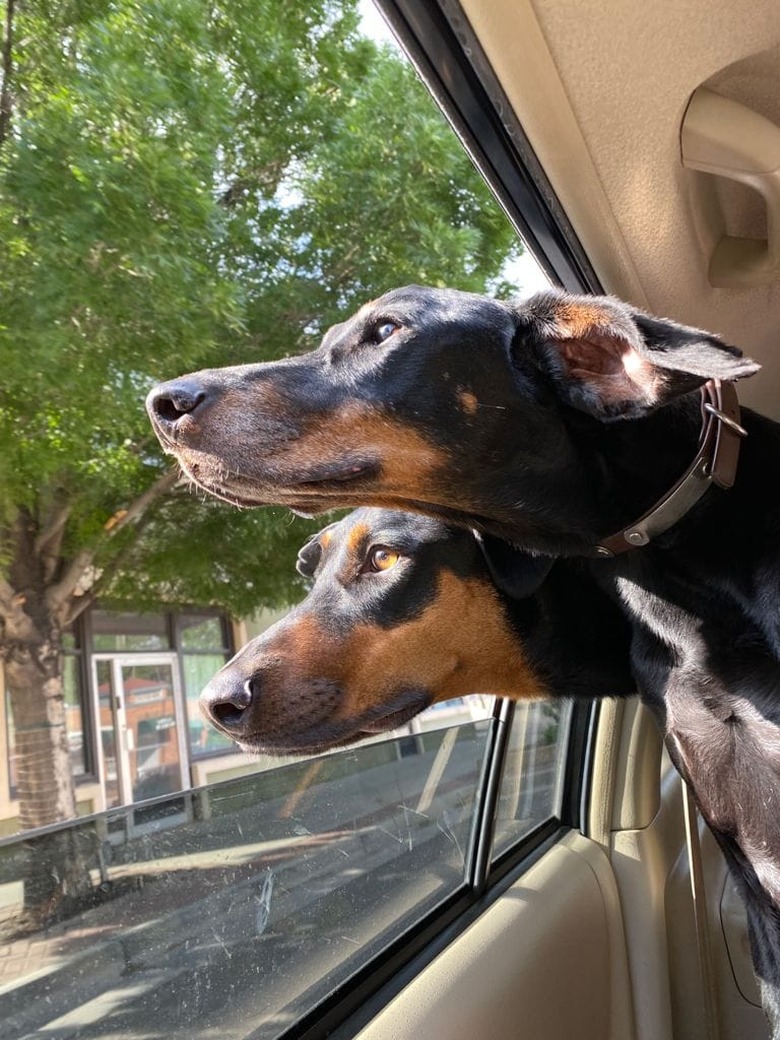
(122, 631)
(201, 633)
(272, 890)
(150, 727)
(74, 714)
(198, 670)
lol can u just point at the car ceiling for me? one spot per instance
(601, 89)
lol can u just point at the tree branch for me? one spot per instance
(54, 530)
(7, 67)
(136, 509)
(77, 607)
(78, 604)
(58, 595)
(49, 541)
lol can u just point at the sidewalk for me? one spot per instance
(203, 893)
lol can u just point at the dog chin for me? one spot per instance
(306, 493)
(394, 719)
(336, 736)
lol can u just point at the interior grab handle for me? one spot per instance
(724, 138)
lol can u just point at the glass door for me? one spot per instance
(141, 747)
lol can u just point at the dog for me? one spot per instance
(572, 426)
(403, 612)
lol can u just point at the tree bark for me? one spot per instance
(33, 674)
(57, 876)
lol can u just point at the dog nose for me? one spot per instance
(169, 402)
(227, 704)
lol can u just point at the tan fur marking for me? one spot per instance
(578, 320)
(461, 644)
(356, 536)
(468, 401)
(406, 458)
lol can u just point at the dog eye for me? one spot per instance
(384, 331)
(382, 559)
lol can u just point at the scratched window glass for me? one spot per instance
(230, 911)
(532, 783)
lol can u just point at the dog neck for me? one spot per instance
(714, 463)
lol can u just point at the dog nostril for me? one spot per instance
(171, 401)
(230, 710)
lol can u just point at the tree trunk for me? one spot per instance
(57, 878)
(38, 598)
(43, 777)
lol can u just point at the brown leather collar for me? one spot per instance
(715, 463)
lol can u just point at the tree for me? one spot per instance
(183, 184)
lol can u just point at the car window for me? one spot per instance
(186, 185)
(531, 790)
(241, 906)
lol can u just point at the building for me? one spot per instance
(131, 688)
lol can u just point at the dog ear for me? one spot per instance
(516, 573)
(615, 362)
(310, 554)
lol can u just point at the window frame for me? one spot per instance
(448, 58)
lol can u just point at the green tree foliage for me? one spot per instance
(184, 184)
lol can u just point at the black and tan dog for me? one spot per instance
(402, 613)
(572, 426)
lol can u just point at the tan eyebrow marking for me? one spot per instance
(468, 401)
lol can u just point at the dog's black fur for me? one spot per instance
(549, 423)
(403, 612)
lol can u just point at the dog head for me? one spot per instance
(402, 613)
(447, 403)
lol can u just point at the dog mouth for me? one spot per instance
(337, 734)
(308, 490)
(393, 719)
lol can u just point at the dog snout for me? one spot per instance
(227, 702)
(170, 402)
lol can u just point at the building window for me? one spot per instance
(204, 646)
(201, 641)
(117, 631)
(75, 713)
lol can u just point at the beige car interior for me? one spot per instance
(658, 126)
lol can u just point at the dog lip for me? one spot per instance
(368, 725)
(338, 474)
(307, 490)
(395, 718)
(165, 434)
